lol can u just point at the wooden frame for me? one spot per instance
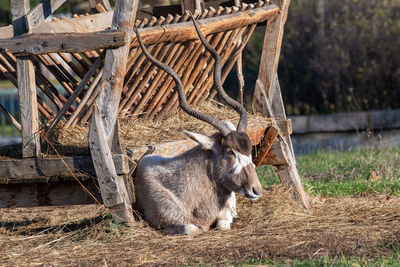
(268, 98)
(111, 86)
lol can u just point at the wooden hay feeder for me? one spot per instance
(99, 73)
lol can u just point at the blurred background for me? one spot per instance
(337, 56)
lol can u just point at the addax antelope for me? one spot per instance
(188, 193)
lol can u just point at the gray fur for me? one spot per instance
(188, 193)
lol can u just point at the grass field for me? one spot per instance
(354, 221)
(364, 172)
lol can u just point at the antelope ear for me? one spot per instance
(203, 140)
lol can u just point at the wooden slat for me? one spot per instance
(231, 61)
(266, 144)
(36, 169)
(60, 77)
(41, 12)
(48, 194)
(83, 104)
(183, 54)
(182, 67)
(173, 56)
(44, 43)
(11, 74)
(74, 95)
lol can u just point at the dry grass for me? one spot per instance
(136, 133)
(140, 132)
(275, 227)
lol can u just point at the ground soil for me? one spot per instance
(275, 228)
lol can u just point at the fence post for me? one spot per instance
(103, 134)
(268, 98)
(26, 86)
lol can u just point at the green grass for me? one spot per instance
(368, 171)
(393, 260)
(5, 84)
(7, 131)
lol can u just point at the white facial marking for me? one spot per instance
(230, 125)
(240, 162)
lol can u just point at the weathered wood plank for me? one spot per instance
(265, 145)
(43, 43)
(103, 134)
(185, 31)
(75, 94)
(268, 99)
(269, 61)
(33, 169)
(48, 194)
(169, 33)
(113, 189)
(289, 176)
(26, 87)
(19, 8)
(41, 12)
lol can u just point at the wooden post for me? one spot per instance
(268, 98)
(191, 5)
(26, 86)
(97, 5)
(103, 134)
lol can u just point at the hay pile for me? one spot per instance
(73, 141)
(275, 227)
(140, 132)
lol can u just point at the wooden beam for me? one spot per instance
(262, 99)
(185, 31)
(103, 133)
(40, 12)
(265, 145)
(112, 185)
(289, 175)
(26, 87)
(44, 43)
(48, 194)
(42, 169)
(168, 33)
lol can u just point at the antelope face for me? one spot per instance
(240, 174)
(233, 165)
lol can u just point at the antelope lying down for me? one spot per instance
(188, 193)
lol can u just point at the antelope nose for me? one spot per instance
(256, 191)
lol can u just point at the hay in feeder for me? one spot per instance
(138, 132)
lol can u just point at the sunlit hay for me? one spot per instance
(139, 132)
(274, 227)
